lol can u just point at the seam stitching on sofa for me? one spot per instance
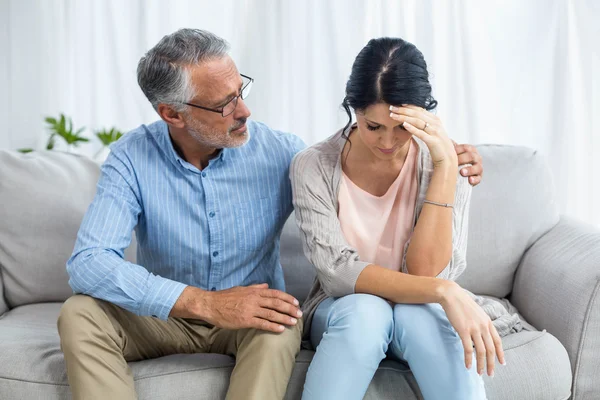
(138, 379)
(526, 343)
(36, 382)
(3, 294)
(586, 320)
(180, 372)
(403, 371)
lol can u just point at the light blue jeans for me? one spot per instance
(352, 334)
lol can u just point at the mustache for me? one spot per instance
(239, 124)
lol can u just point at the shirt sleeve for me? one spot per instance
(460, 232)
(336, 262)
(97, 267)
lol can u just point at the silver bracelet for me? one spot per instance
(439, 204)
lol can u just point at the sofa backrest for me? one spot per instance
(513, 206)
(43, 196)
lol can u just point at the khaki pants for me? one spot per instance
(99, 338)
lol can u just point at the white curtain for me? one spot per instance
(511, 71)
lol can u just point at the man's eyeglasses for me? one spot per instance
(229, 108)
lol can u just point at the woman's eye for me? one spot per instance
(372, 128)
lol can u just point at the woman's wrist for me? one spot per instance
(447, 170)
(449, 164)
(445, 290)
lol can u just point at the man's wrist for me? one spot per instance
(202, 305)
(193, 303)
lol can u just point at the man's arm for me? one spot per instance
(468, 154)
(97, 267)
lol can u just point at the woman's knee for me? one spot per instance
(362, 318)
(422, 325)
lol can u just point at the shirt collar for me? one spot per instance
(223, 154)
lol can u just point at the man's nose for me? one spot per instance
(241, 111)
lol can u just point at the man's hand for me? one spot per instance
(468, 154)
(240, 307)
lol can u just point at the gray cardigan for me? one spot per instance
(315, 174)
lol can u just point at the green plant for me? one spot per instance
(63, 128)
(109, 136)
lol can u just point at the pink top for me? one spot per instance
(378, 227)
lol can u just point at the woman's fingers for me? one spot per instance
(414, 111)
(497, 344)
(468, 346)
(490, 352)
(424, 136)
(416, 122)
(480, 350)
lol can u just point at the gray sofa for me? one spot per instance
(520, 248)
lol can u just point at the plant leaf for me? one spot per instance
(51, 142)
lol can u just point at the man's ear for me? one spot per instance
(171, 116)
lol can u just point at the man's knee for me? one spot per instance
(79, 315)
(286, 342)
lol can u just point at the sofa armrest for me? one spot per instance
(557, 288)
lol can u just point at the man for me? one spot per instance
(207, 192)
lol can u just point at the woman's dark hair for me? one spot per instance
(387, 70)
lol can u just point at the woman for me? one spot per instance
(384, 217)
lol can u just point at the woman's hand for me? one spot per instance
(474, 327)
(427, 127)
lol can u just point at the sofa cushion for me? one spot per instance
(32, 367)
(299, 273)
(514, 205)
(44, 196)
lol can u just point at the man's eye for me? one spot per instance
(224, 104)
(372, 128)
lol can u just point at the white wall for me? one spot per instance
(517, 72)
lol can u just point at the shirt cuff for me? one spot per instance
(161, 297)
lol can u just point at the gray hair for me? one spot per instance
(162, 72)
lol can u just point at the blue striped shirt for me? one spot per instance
(213, 229)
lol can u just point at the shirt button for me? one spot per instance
(215, 253)
(204, 174)
(214, 289)
(211, 214)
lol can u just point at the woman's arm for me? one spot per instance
(438, 245)
(430, 248)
